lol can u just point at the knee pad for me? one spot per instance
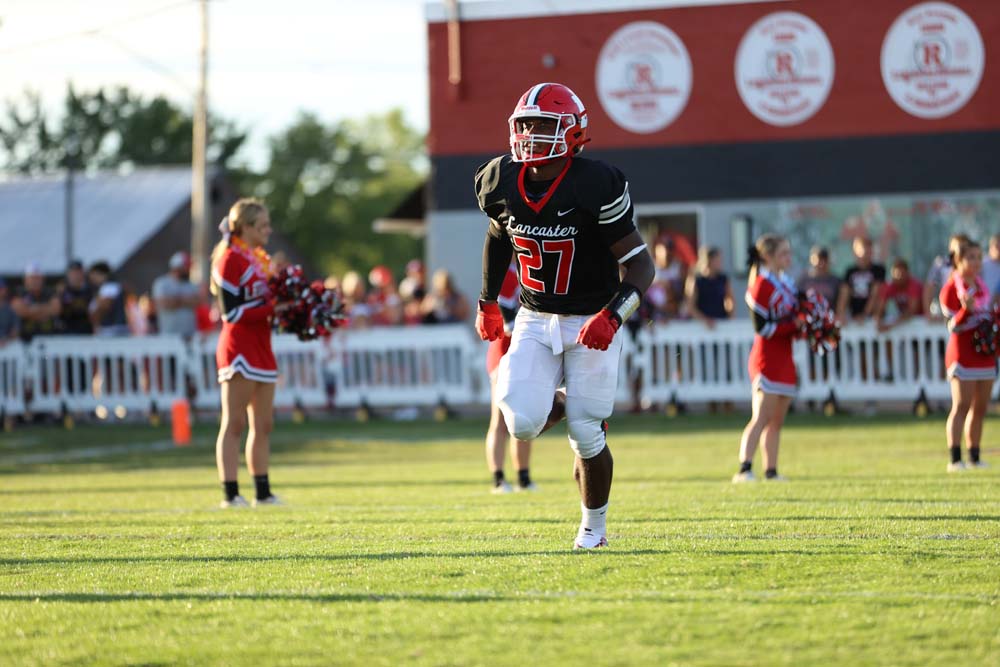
(583, 421)
(524, 422)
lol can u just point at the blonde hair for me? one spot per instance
(244, 213)
(765, 247)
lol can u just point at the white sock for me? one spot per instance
(594, 520)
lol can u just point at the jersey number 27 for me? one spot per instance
(532, 256)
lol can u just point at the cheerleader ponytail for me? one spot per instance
(760, 252)
(753, 263)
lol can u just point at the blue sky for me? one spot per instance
(268, 59)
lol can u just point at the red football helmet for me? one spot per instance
(560, 106)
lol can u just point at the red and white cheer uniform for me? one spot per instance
(961, 358)
(247, 306)
(772, 301)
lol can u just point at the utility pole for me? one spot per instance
(68, 212)
(199, 177)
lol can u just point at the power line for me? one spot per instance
(91, 32)
(143, 59)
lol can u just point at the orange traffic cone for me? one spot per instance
(180, 418)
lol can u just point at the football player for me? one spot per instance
(582, 267)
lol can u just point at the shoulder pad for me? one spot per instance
(489, 179)
(597, 183)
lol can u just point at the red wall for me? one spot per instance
(502, 58)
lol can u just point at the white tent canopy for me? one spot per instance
(114, 214)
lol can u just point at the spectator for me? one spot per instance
(176, 298)
(862, 282)
(206, 313)
(107, 310)
(279, 262)
(415, 281)
(666, 294)
(355, 300)
(991, 267)
(9, 324)
(412, 291)
(36, 306)
(444, 304)
(709, 294)
(74, 300)
(938, 275)
(900, 299)
(386, 306)
(139, 312)
(819, 278)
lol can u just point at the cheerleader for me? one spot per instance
(965, 301)
(497, 434)
(247, 368)
(771, 297)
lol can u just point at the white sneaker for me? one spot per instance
(270, 500)
(979, 464)
(744, 477)
(776, 478)
(586, 539)
(238, 501)
(501, 489)
(956, 467)
(531, 488)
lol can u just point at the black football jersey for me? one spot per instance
(562, 242)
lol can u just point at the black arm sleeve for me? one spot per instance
(497, 252)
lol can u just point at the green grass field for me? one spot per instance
(391, 551)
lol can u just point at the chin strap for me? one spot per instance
(624, 303)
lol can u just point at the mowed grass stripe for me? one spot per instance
(392, 552)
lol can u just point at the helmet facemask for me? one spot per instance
(535, 147)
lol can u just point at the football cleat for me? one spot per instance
(776, 478)
(270, 500)
(238, 501)
(979, 464)
(587, 539)
(529, 488)
(957, 466)
(501, 489)
(744, 477)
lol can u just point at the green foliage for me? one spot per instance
(106, 128)
(326, 183)
(391, 551)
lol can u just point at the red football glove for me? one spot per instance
(598, 332)
(489, 321)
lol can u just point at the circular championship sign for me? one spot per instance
(784, 68)
(932, 60)
(643, 77)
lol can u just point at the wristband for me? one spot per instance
(624, 303)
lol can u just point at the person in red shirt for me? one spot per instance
(899, 299)
(247, 367)
(965, 302)
(771, 298)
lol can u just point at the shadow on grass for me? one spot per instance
(288, 597)
(376, 557)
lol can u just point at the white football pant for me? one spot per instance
(544, 354)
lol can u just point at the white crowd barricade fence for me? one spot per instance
(689, 363)
(407, 366)
(12, 360)
(86, 373)
(427, 365)
(902, 364)
(300, 373)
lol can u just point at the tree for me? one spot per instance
(106, 129)
(326, 184)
